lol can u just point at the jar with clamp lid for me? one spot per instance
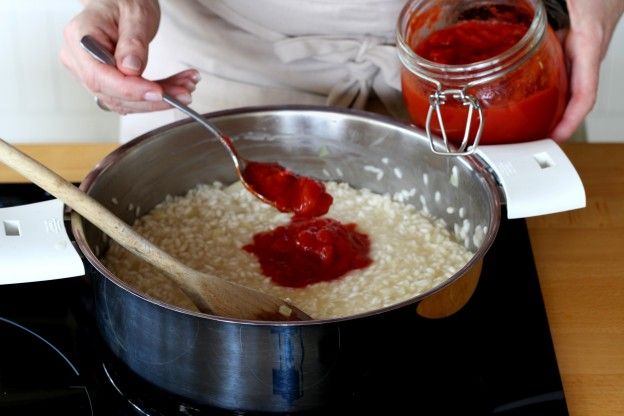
(485, 72)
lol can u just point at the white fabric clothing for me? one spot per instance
(261, 52)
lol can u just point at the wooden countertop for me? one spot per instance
(579, 257)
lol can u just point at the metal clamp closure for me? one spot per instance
(439, 98)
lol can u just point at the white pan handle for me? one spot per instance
(34, 245)
(537, 177)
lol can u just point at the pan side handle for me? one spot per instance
(34, 245)
(537, 178)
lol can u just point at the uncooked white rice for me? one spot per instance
(206, 229)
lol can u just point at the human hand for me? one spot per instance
(125, 28)
(585, 45)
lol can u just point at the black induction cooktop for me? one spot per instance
(493, 357)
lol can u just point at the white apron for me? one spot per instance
(262, 52)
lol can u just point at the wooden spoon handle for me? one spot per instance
(209, 293)
(99, 216)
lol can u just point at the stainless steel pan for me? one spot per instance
(265, 366)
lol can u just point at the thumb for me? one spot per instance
(135, 32)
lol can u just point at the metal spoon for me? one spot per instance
(100, 53)
(209, 293)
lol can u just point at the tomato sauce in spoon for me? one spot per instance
(286, 191)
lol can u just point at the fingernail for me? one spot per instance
(132, 62)
(190, 86)
(185, 98)
(152, 96)
(196, 77)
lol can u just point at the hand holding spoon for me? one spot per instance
(271, 183)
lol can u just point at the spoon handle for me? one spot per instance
(201, 120)
(98, 215)
(97, 51)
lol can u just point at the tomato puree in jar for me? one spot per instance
(523, 105)
(309, 249)
(470, 41)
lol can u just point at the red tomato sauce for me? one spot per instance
(524, 105)
(288, 192)
(470, 41)
(309, 251)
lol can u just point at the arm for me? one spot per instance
(125, 27)
(585, 44)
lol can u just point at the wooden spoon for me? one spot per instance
(209, 293)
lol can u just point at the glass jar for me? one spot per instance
(480, 71)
